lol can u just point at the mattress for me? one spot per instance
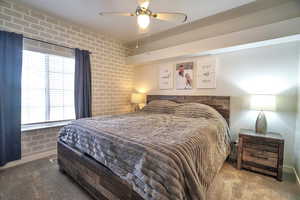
(163, 156)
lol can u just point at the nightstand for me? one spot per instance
(261, 153)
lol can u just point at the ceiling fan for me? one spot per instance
(143, 15)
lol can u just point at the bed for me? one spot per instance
(172, 149)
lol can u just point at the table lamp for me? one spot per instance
(262, 103)
(138, 100)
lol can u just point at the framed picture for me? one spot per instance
(184, 75)
(165, 77)
(206, 74)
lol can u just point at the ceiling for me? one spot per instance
(85, 12)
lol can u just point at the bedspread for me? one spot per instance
(162, 156)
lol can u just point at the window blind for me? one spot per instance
(47, 87)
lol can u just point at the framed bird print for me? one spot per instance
(206, 74)
(165, 77)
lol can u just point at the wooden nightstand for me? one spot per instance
(262, 153)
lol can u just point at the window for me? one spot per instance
(47, 87)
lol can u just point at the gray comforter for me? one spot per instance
(162, 156)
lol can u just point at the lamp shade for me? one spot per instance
(263, 102)
(137, 98)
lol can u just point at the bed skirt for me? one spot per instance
(100, 182)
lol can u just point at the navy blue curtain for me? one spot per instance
(11, 45)
(83, 93)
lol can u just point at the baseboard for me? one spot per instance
(30, 158)
(297, 176)
(291, 169)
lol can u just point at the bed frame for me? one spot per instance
(99, 181)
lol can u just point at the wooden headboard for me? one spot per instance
(220, 103)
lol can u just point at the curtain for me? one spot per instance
(11, 46)
(82, 84)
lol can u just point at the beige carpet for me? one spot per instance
(41, 180)
(233, 184)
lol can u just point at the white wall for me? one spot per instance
(269, 70)
(297, 133)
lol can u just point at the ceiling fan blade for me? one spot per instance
(170, 16)
(116, 14)
(144, 3)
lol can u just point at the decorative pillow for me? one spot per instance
(161, 106)
(197, 110)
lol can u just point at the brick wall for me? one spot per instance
(111, 77)
(38, 141)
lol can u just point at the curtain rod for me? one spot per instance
(52, 43)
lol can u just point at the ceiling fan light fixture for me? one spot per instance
(144, 14)
(143, 21)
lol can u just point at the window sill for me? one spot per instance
(31, 127)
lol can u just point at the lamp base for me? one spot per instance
(141, 106)
(136, 107)
(261, 123)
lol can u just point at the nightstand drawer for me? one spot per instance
(260, 157)
(260, 153)
(260, 141)
(261, 147)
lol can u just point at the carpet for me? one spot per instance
(41, 180)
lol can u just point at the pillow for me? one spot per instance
(161, 106)
(197, 110)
